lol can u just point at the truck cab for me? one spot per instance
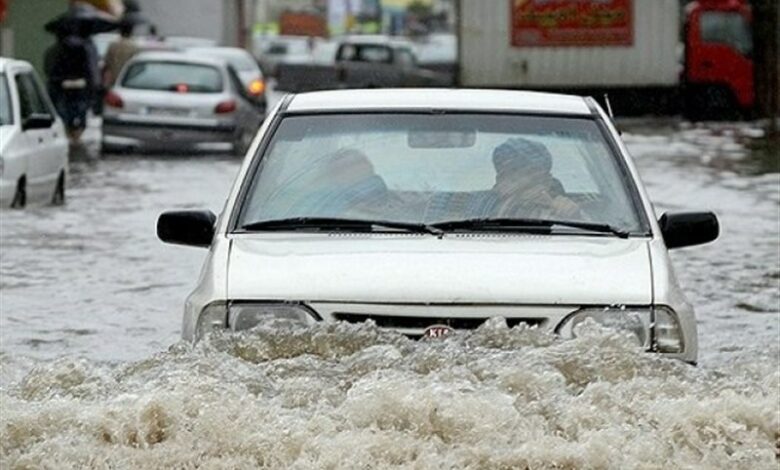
(718, 56)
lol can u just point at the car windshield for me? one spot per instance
(173, 76)
(431, 169)
(6, 114)
(729, 28)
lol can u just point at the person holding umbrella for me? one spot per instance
(71, 64)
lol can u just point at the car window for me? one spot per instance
(173, 76)
(42, 95)
(236, 83)
(30, 102)
(729, 28)
(421, 168)
(373, 54)
(277, 48)
(6, 112)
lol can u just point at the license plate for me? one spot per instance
(168, 111)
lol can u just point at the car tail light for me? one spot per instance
(225, 107)
(257, 87)
(114, 100)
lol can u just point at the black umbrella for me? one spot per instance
(82, 20)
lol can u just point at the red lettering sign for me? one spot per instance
(3, 9)
(571, 23)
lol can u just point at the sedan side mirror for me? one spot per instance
(689, 228)
(38, 121)
(192, 228)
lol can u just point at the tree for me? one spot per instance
(766, 38)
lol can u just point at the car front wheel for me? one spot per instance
(58, 198)
(20, 196)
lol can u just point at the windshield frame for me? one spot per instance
(240, 204)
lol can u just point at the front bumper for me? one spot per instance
(413, 320)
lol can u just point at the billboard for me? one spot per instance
(539, 23)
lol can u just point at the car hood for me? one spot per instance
(471, 268)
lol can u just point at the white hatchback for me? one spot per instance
(430, 211)
(33, 145)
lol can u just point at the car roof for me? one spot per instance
(177, 56)
(375, 39)
(221, 50)
(439, 98)
(6, 62)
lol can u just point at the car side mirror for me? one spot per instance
(192, 228)
(688, 228)
(38, 121)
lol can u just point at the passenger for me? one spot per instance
(347, 186)
(119, 53)
(524, 187)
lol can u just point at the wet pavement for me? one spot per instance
(91, 303)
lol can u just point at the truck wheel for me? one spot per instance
(58, 198)
(711, 103)
(20, 197)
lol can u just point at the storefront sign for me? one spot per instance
(571, 23)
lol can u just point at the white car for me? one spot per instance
(33, 144)
(434, 210)
(284, 50)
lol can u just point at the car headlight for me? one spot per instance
(655, 328)
(243, 316)
(213, 317)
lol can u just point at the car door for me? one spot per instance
(54, 153)
(34, 140)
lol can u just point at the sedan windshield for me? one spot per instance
(460, 171)
(6, 115)
(173, 76)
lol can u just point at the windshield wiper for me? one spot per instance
(335, 223)
(526, 225)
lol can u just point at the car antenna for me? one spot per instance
(609, 106)
(611, 114)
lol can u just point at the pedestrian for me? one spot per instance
(72, 78)
(119, 52)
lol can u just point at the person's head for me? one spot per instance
(521, 164)
(349, 166)
(126, 29)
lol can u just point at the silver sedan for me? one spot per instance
(173, 101)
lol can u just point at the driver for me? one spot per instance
(524, 187)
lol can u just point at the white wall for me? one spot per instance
(211, 19)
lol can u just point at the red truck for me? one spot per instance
(649, 56)
(718, 68)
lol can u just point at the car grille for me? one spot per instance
(415, 322)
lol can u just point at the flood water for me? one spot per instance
(92, 375)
